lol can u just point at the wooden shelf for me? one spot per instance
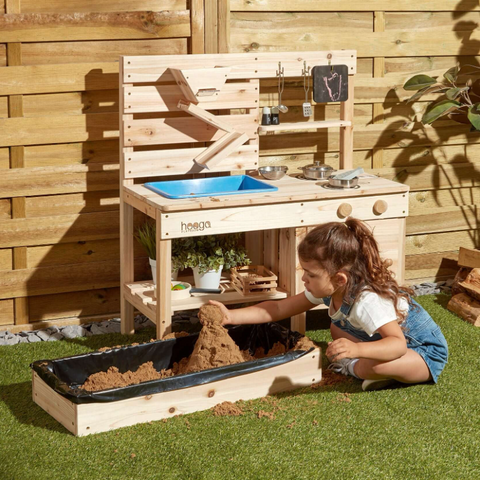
(142, 296)
(304, 125)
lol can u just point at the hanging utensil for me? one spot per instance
(307, 106)
(281, 86)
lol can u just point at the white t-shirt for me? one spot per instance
(369, 312)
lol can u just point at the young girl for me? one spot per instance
(379, 333)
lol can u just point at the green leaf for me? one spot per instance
(436, 88)
(418, 82)
(453, 93)
(437, 110)
(451, 75)
(474, 115)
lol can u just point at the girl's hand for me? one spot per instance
(227, 318)
(342, 348)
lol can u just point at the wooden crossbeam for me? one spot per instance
(202, 84)
(205, 116)
(221, 149)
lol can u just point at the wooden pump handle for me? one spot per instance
(344, 210)
(379, 207)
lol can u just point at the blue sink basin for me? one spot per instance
(208, 187)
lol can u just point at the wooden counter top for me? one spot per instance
(290, 189)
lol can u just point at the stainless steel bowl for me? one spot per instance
(273, 172)
(342, 183)
(317, 170)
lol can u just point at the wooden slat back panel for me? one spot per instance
(148, 89)
(172, 162)
(166, 131)
(165, 98)
(151, 69)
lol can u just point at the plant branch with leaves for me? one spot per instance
(456, 102)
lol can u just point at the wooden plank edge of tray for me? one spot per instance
(60, 408)
(101, 417)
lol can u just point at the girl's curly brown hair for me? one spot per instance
(351, 248)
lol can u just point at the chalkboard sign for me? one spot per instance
(330, 83)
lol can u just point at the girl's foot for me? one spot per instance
(377, 384)
(344, 366)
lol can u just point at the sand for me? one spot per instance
(213, 348)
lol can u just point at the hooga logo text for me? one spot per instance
(195, 227)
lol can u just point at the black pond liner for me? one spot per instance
(65, 375)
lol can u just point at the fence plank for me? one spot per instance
(86, 6)
(65, 278)
(59, 229)
(353, 5)
(448, 219)
(77, 304)
(72, 203)
(441, 242)
(60, 129)
(99, 51)
(276, 32)
(20, 182)
(30, 27)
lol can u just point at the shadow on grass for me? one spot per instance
(18, 398)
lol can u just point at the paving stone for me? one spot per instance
(3, 333)
(33, 338)
(97, 330)
(43, 335)
(53, 329)
(73, 331)
(22, 339)
(55, 336)
(13, 340)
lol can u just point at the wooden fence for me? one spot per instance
(59, 220)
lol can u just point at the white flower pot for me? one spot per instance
(153, 265)
(209, 279)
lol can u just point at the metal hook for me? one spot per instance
(306, 77)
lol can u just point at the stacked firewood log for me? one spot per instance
(465, 301)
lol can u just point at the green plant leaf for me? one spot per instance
(436, 88)
(437, 110)
(474, 115)
(418, 82)
(451, 75)
(453, 93)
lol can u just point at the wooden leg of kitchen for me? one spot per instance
(288, 273)
(163, 289)
(126, 267)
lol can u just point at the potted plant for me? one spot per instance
(146, 236)
(208, 255)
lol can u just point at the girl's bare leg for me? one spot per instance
(411, 368)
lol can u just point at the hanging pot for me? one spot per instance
(317, 170)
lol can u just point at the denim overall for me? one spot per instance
(422, 334)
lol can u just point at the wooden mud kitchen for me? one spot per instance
(165, 122)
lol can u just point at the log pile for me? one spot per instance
(465, 301)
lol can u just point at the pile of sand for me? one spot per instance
(112, 378)
(214, 348)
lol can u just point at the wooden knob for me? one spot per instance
(379, 207)
(344, 210)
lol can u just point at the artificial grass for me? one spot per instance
(334, 432)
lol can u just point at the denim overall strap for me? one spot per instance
(345, 308)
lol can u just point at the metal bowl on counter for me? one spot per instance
(317, 170)
(342, 183)
(273, 172)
